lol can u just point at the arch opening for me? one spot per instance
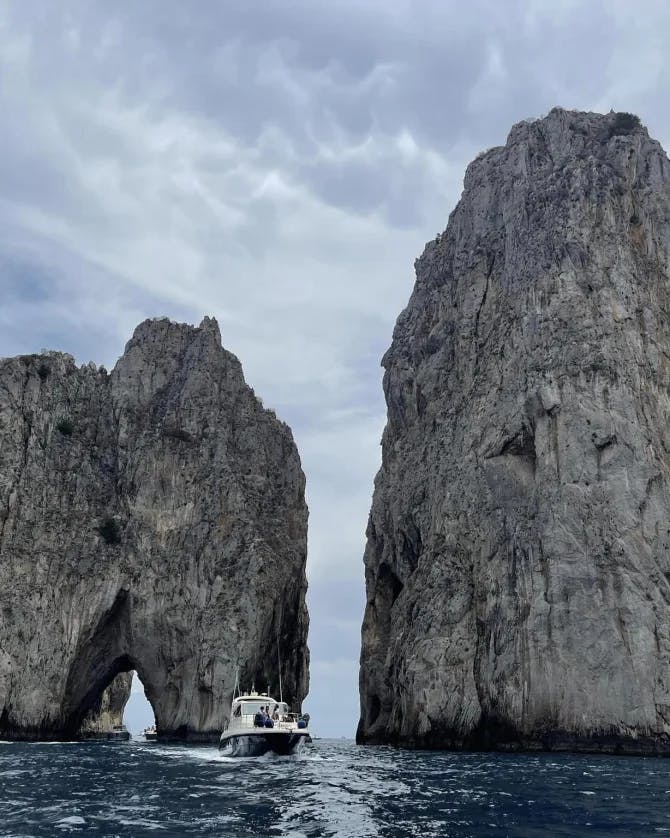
(106, 715)
(138, 713)
(99, 696)
(87, 683)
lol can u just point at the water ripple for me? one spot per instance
(333, 790)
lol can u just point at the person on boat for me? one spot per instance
(275, 713)
(259, 718)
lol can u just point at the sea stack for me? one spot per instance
(151, 519)
(518, 563)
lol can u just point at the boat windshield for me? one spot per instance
(250, 708)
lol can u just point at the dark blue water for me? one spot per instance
(333, 789)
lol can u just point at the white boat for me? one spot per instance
(119, 733)
(249, 733)
(150, 733)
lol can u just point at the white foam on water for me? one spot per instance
(72, 820)
(217, 820)
(322, 791)
(206, 756)
(198, 754)
(268, 757)
(153, 825)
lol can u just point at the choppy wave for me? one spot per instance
(332, 790)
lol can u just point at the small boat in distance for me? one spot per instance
(259, 724)
(150, 733)
(119, 733)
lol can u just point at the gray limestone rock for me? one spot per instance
(152, 518)
(517, 564)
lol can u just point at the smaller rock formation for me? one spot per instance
(109, 714)
(151, 519)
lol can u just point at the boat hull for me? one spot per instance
(257, 744)
(119, 736)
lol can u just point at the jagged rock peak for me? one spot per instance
(157, 329)
(518, 546)
(565, 133)
(150, 519)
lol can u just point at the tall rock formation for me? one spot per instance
(153, 519)
(517, 564)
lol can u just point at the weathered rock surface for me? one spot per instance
(153, 519)
(517, 564)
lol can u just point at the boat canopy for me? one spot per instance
(249, 706)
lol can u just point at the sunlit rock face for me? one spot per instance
(153, 519)
(517, 563)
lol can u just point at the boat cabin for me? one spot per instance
(249, 705)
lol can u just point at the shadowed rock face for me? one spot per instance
(517, 562)
(109, 713)
(150, 519)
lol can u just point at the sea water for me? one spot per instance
(334, 788)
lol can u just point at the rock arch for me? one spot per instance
(109, 710)
(142, 514)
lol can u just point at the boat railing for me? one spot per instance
(286, 722)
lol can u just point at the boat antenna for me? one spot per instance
(236, 688)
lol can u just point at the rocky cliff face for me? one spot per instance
(150, 519)
(517, 564)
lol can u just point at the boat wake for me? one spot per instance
(334, 789)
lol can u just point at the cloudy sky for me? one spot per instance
(278, 165)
